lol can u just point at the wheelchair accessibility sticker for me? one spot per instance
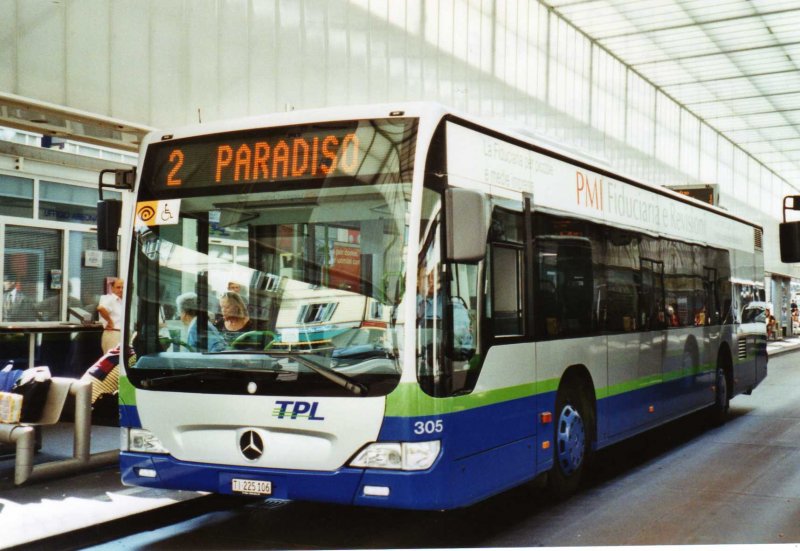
(157, 213)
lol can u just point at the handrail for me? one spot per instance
(48, 327)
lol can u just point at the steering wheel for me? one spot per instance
(167, 343)
(250, 336)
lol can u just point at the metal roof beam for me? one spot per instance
(769, 141)
(768, 127)
(739, 115)
(719, 53)
(698, 24)
(721, 79)
(737, 98)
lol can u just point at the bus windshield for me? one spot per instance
(259, 274)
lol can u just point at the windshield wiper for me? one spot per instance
(216, 374)
(345, 381)
(154, 382)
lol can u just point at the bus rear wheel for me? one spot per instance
(722, 400)
(571, 443)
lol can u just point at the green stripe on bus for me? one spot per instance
(650, 380)
(408, 400)
(127, 392)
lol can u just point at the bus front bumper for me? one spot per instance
(351, 486)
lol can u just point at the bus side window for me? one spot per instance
(462, 304)
(565, 289)
(575, 265)
(506, 310)
(505, 273)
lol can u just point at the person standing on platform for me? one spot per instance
(110, 311)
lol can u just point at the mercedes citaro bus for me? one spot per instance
(434, 309)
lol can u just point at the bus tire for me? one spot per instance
(722, 395)
(571, 442)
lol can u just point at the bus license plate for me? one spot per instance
(251, 487)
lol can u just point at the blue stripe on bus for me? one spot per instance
(333, 487)
(485, 450)
(129, 417)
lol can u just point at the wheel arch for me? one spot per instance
(579, 377)
(693, 347)
(725, 360)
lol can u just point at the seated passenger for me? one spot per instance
(236, 287)
(235, 320)
(700, 317)
(672, 317)
(187, 310)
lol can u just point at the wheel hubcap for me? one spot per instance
(571, 440)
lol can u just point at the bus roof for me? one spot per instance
(434, 113)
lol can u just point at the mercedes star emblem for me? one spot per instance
(251, 444)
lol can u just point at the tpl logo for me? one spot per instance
(294, 409)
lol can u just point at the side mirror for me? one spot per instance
(467, 227)
(789, 232)
(109, 218)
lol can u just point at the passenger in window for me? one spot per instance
(672, 317)
(429, 308)
(187, 310)
(429, 303)
(700, 317)
(236, 287)
(235, 320)
(661, 317)
(16, 304)
(239, 289)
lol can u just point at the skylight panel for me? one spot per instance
(775, 83)
(709, 10)
(786, 100)
(762, 61)
(741, 34)
(635, 49)
(780, 132)
(733, 122)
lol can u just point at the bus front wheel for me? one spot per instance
(570, 442)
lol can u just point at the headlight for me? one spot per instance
(406, 456)
(144, 441)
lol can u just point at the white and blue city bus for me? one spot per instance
(438, 309)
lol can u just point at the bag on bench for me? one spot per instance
(9, 377)
(10, 407)
(33, 386)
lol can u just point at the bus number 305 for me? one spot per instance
(428, 427)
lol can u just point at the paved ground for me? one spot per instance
(687, 483)
(682, 484)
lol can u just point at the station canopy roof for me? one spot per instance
(63, 122)
(733, 63)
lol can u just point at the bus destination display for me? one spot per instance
(287, 156)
